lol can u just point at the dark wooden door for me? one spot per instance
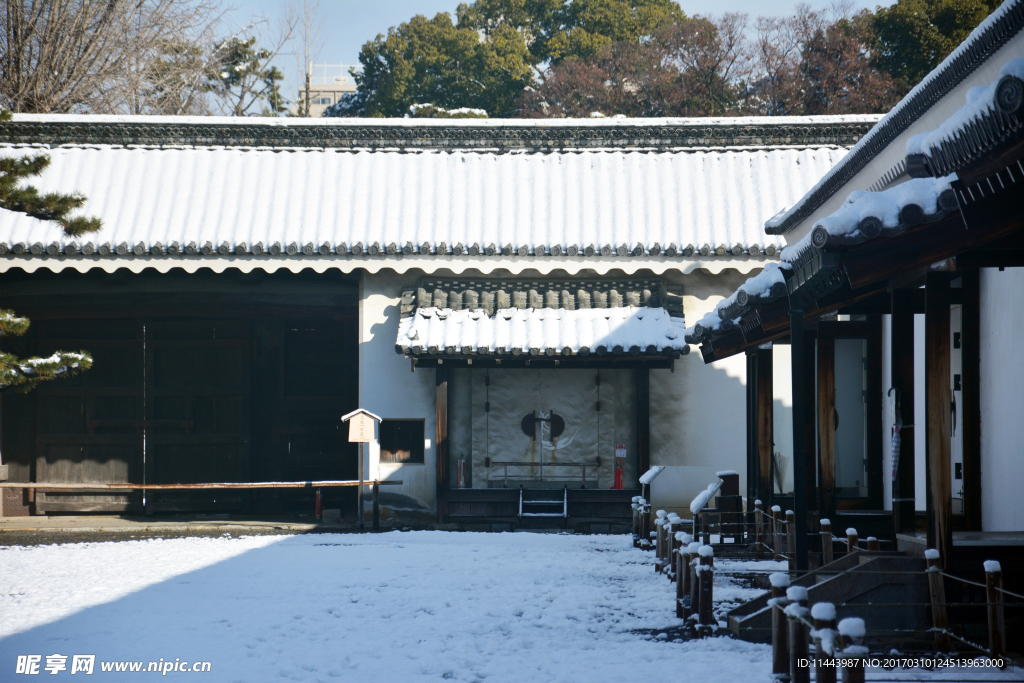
(89, 428)
(197, 412)
(318, 384)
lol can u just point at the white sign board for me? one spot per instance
(360, 428)
(620, 450)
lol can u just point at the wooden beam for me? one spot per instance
(441, 412)
(902, 358)
(826, 419)
(970, 355)
(938, 417)
(643, 420)
(765, 426)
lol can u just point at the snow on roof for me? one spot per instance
(767, 284)
(906, 111)
(881, 210)
(980, 101)
(546, 331)
(331, 201)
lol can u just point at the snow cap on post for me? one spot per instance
(825, 522)
(706, 551)
(776, 508)
(661, 514)
(823, 611)
(796, 593)
(779, 580)
(852, 627)
(931, 554)
(851, 531)
(992, 566)
(693, 548)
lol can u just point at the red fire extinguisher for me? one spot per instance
(618, 474)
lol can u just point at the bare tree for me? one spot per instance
(309, 41)
(97, 55)
(775, 88)
(712, 57)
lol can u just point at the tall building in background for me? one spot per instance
(327, 82)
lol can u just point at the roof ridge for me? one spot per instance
(502, 135)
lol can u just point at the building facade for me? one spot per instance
(510, 297)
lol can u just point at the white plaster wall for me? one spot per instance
(698, 412)
(387, 386)
(1002, 400)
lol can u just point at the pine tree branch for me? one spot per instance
(20, 375)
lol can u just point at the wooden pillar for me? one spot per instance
(902, 357)
(801, 415)
(765, 426)
(970, 354)
(751, 395)
(826, 419)
(996, 615)
(937, 411)
(441, 410)
(643, 419)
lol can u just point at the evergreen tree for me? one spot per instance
(433, 61)
(243, 76)
(22, 374)
(913, 36)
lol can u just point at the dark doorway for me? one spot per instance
(197, 378)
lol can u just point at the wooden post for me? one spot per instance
(938, 416)
(659, 542)
(802, 420)
(758, 536)
(636, 521)
(902, 357)
(937, 592)
(851, 540)
(441, 441)
(826, 418)
(826, 541)
(362, 512)
(683, 576)
(824, 614)
(376, 505)
(643, 419)
(851, 634)
(996, 616)
(765, 424)
(706, 613)
(694, 579)
(791, 539)
(780, 632)
(796, 612)
(776, 533)
(873, 544)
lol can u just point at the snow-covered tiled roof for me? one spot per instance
(627, 330)
(332, 202)
(223, 189)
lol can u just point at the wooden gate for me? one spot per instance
(197, 412)
(89, 428)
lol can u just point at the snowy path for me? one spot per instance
(392, 607)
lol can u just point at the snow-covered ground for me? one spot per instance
(413, 606)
